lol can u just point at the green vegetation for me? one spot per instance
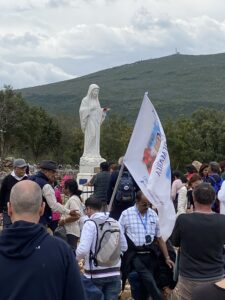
(26, 131)
(177, 86)
(200, 137)
(31, 133)
(188, 92)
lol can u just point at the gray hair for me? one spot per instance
(204, 194)
(26, 197)
(215, 167)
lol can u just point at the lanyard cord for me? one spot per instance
(145, 221)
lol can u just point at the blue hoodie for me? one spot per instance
(37, 266)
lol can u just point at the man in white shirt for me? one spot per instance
(106, 278)
(141, 226)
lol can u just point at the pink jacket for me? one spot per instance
(56, 215)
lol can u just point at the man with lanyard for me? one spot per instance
(141, 227)
(18, 174)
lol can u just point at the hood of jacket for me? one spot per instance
(21, 239)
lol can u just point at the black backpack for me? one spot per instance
(125, 191)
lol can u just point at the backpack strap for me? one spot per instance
(212, 179)
(91, 254)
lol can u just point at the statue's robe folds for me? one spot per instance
(91, 118)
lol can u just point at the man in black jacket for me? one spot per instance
(18, 174)
(45, 179)
(33, 264)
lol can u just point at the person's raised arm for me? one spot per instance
(49, 195)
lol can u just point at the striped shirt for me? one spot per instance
(137, 226)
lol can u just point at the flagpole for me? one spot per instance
(116, 186)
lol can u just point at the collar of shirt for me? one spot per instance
(135, 229)
(101, 215)
(16, 177)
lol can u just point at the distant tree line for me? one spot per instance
(30, 132)
(199, 137)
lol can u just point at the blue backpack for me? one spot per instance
(216, 184)
(126, 190)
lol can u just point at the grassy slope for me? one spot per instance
(177, 85)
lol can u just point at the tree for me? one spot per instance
(200, 137)
(13, 109)
(115, 135)
(208, 134)
(41, 133)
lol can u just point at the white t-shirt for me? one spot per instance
(221, 197)
(74, 203)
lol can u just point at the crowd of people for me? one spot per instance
(115, 233)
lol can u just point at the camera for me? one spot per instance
(148, 239)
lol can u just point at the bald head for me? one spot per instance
(26, 198)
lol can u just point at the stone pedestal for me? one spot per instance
(89, 166)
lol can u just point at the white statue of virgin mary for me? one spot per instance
(91, 118)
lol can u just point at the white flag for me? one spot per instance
(147, 159)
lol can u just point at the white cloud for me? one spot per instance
(84, 41)
(29, 5)
(97, 34)
(30, 74)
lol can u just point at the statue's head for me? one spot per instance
(94, 93)
(93, 90)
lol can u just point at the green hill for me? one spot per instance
(177, 85)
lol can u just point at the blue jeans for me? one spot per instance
(91, 290)
(110, 286)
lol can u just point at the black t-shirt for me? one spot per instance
(208, 292)
(201, 238)
(101, 184)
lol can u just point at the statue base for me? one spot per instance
(89, 166)
(82, 179)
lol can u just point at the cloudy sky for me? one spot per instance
(44, 41)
